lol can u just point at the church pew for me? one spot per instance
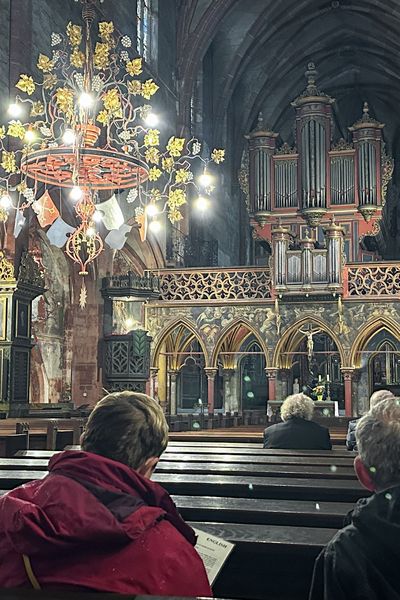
(183, 448)
(165, 466)
(335, 490)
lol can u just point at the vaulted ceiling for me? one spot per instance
(259, 49)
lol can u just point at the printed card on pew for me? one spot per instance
(214, 551)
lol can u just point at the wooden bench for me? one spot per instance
(166, 466)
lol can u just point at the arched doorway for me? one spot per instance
(192, 381)
(254, 386)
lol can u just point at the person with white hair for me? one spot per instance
(298, 431)
(362, 560)
(351, 431)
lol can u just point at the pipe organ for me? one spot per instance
(302, 188)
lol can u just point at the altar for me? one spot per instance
(322, 408)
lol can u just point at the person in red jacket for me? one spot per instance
(97, 522)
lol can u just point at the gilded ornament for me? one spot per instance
(154, 174)
(149, 88)
(45, 64)
(112, 101)
(106, 30)
(77, 58)
(175, 146)
(3, 215)
(74, 33)
(155, 195)
(2, 132)
(182, 176)
(134, 67)
(218, 156)
(174, 215)
(167, 164)
(103, 117)
(152, 138)
(101, 55)
(49, 81)
(6, 268)
(65, 101)
(37, 109)
(83, 296)
(176, 198)
(8, 162)
(26, 84)
(16, 129)
(134, 87)
(152, 155)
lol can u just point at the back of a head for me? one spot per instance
(297, 405)
(379, 396)
(378, 441)
(127, 427)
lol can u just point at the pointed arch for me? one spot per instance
(232, 338)
(185, 333)
(367, 332)
(292, 337)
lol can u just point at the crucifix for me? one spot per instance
(310, 342)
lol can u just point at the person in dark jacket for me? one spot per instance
(351, 431)
(297, 432)
(97, 522)
(362, 560)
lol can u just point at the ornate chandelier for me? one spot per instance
(87, 125)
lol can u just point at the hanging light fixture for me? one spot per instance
(87, 126)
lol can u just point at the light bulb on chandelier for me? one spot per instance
(14, 110)
(90, 232)
(155, 226)
(151, 120)
(202, 203)
(97, 216)
(5, 202)
(86, 100)
(151, 210)
(76, 193)
(205, 179)
(30, 136)
(69, 137)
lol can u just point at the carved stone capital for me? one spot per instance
(211, 372)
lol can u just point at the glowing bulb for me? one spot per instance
(15, 110)
(151, 120)
(97, 216)
(30, 136)
(5, 202)
(155, 226)
(76, 193)
(85, 100)
(90, 232)
(205, 179)
(202, 203)
(151, 210)
(69, 137)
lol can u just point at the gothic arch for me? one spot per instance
(164, 336)
(366, 332)
(291, 339)
(232, 337)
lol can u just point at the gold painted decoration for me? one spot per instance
(74, 33)
(45, 64)
(8, 162)
(101, 55)
(152, 138)
(65, 101)
(16, 129)
(134, 87)
(218, 156)
(26, 84)
(37, 109)
(154, 174)
(149, 88)
(134, 67)
(152, 155)
(77, 58)
(175, 146)
(6, 268)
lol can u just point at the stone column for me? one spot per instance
(334, 242)
(231, 400)
(280, 242)
(211, 373)
(173, 392)
(348, 376)
(153, 381)
(307, 246)
(271, 374)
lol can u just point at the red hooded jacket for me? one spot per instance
(95, 523)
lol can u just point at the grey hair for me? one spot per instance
(378, 441)
(297, 405)
(379, 396)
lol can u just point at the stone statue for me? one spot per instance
(296, 386)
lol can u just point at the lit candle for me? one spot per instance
(319, 377)
(327, 377)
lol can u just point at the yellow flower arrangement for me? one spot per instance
(45, 64)
(101, 55)
(77, 58)
(149, 88)
(8, 162)
(152, 138)
(175, 146)
(16, 129)
(218, 155)
(74, 33)
(134, 67)
(154, 173)
(134, 87)
(152, 155)
(26, 84)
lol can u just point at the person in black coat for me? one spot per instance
(362, 560)
(351, 431)
(297, 432)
